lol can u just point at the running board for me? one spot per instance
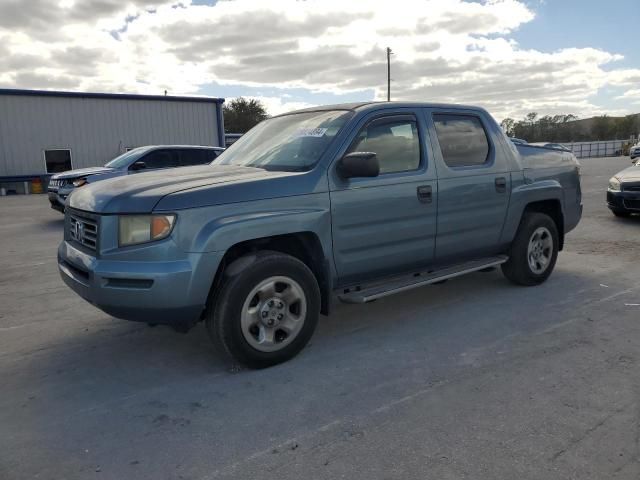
(366, 293)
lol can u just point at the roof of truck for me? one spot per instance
(359, 106)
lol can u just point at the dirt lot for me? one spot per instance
(474, 378)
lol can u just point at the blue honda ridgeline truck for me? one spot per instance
(354, 201)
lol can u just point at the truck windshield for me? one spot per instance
(124, 159)
(291, 143)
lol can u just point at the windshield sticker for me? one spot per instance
(309, 132)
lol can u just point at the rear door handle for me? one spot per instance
(501, 184)
(424, 194)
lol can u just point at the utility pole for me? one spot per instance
(389, 52)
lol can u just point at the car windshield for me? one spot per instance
(124, 159)
(291, 143)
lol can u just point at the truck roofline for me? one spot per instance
(364, 106)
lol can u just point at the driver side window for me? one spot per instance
(394, 140)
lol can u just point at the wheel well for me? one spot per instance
(553, 209)
(305, 246)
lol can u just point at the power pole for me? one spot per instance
(389, 52)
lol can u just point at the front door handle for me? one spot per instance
(501, 184)
(424, 194)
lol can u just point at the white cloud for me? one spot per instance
(278, 105)
(444, 50)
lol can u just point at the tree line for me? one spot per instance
(567, 128)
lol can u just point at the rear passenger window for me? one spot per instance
(463, 140)
(395, 142)
(195, 156)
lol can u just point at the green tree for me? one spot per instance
(507, 126)
(602, 128)
(240, 115)
(531, 120)
(625, 127)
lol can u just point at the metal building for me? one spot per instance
(45, 132)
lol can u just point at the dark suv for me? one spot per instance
(136, 160)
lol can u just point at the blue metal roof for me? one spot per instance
(116, 96)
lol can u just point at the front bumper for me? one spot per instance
(57, 198)
(623, 201)
(163, 292)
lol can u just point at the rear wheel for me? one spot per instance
(534, 251)
(267, 309)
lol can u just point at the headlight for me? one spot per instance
(78, 182)
(614, 184)
(134, 229)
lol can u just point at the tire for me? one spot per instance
(266, 310)
(519, 269)
(621, 213)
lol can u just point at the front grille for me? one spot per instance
(83, 231)
(631, 188)
(60, 183)
(632, 204)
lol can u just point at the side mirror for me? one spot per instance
(139, 165)
(359, 164)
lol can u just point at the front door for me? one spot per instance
(387, 224)
(474, 183)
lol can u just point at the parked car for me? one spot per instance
(135, 160)
(623, 193)
(634, 151)
(555, 146)
(354, 202)
(518, 141)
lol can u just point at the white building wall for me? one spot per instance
(96, 129)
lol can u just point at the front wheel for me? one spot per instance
(534, 251)
(267, 309)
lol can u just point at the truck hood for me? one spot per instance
(80, 172)
(176, 188)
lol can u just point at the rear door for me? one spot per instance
(386, 224)
(474, 183)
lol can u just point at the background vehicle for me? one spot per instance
(518, 141)
(634, 151)
(354, 201)
(623, 193)
(135, 160)
(555, 146)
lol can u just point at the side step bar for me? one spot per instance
(366, 293)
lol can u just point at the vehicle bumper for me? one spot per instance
(623, 201)
(164, 292)
(57, 200)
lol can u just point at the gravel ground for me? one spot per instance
(474, 378)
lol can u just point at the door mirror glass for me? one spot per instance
(139, 165)
(359, 164)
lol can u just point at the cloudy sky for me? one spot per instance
(510, 56)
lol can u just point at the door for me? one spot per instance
(385, 225)
(474, 184)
